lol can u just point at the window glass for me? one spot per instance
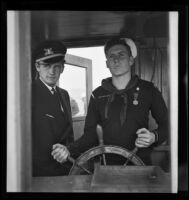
(73, 79)
(99, 68)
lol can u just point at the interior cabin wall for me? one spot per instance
(152, 65)
(39, 32)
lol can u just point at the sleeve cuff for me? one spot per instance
(73, 152)
(156, 135)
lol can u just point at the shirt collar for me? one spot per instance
(49, 87)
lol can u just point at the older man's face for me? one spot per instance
(50, 73)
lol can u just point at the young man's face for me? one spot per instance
(50, 73)
(118, 60)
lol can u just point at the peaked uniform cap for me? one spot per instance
(50, 52)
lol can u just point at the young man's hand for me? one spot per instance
(145, 138)
(60, 153)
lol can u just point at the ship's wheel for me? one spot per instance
(88, 158)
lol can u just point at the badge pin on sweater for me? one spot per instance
(135, 95)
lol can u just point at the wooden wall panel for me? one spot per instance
(19, 103)
(151, 64)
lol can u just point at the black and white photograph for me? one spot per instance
(93, 102)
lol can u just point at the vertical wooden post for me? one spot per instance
(19, 102)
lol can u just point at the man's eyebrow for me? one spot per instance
(57, 64)
(44, 63)
(122, 51)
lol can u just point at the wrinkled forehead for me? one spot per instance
(117, 49)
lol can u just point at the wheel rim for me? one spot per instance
(104, 149)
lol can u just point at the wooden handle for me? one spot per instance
(100, 134)
(75, 163)
(135, 150)
(72, 160)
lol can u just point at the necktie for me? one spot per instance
(55, 93)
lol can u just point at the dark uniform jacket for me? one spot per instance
(49, 126)
(121, 113)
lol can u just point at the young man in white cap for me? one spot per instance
(121, 106)
(51, 112)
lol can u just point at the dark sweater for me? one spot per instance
(115, 133)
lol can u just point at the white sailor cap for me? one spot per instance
(124, 41)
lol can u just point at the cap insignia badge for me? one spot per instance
(48, 51)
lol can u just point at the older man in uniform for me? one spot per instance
(51, 112)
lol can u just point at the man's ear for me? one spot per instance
(107, 64)
(37, 66)
(131, 60)
(62, 68)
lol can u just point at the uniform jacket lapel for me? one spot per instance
(65, 103)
